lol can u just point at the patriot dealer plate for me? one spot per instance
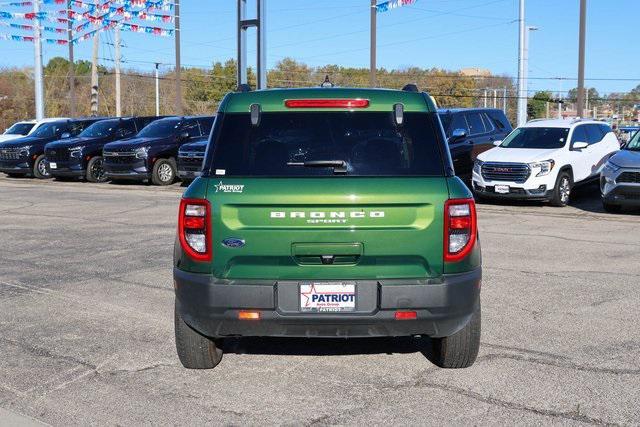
(327, 296)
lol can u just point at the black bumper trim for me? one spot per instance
(211, 307)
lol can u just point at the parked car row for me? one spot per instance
(101, 149)
(542, 160)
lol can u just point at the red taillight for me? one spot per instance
(326, 103)
(194, 228)
(460, 228)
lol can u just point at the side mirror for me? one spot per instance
(580, 145)
(497, 142)
(65, 135)
(457, 134)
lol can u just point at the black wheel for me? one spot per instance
(95, 170)
(611, 208)
(164, 172)
(562, 190)
(40, 168)
(195, 351)
(459, 350)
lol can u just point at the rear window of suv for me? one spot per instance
(369, 144)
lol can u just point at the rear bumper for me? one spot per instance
(211, 307)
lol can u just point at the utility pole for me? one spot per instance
(495, 98)
(157, 90)
(485, 98)
(72, 66)
(118, 88)
(178, 66)
(372, 47)
(581, 55)
(94, 75)
(38, 73)
(522, 94)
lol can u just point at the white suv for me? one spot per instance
(543, 159)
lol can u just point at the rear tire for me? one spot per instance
(611, 208)
(562, 190)
(95, 170)
(459, 350)
(195, 351)
(164, 172)
(40, 168)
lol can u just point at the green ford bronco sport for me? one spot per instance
(327, 212)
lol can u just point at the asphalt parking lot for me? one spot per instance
(86, 326)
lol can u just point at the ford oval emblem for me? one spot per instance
(233, 243)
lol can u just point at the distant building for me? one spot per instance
(483, 72)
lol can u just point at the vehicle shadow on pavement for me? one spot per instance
(327, 346)
(585, 198)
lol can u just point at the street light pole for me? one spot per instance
(581, 55)
(525, 73)
(522, 94)
(38, 74)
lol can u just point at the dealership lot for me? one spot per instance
(86, 325)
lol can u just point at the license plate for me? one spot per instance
(327, 297)
(53, 165)
(502, 189)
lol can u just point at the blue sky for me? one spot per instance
(450, 34)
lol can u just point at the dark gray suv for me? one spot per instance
(471, 131)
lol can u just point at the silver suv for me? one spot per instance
(620, 178)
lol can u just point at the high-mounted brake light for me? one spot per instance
(460, 228)
(194, 228)
(326, 103)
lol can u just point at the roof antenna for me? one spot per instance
(326, 82)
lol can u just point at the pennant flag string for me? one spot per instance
(26, 27)
(393, 4)
(17, 38)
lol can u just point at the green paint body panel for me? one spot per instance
(375, 227)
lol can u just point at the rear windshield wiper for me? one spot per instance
(339, 166)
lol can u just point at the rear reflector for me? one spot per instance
(326, 103)
(406, 315)
(249, 315)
